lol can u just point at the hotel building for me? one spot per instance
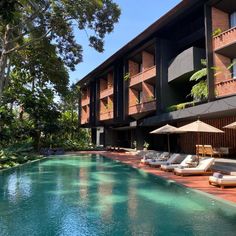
(133, 91)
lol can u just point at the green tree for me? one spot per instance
(70, 109)
(25, 22)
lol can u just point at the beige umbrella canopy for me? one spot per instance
(167, 129)
(231, 126)
(199, 127)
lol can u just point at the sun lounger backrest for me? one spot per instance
(188, 159)
(205, 163)
(208, 150)
(156, 155)
(163, 156)
(200, 149)
(173, 158)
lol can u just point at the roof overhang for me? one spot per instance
(152, 30)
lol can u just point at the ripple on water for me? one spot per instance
(91, 195)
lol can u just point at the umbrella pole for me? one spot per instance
(198, 148)
(168, 137)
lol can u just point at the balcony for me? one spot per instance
(143, 76)
(226, 87)
(106, 93)
(106, 115)
(84, 120)
(85, 101)
(142, 107)
(225, 43)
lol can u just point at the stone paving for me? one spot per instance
(195, 182)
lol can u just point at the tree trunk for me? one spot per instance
(4, 59)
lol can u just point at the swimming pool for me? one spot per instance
(92, 195)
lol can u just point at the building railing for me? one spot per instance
(106, 115)
(85, 101)
(226, 87)
(106, 92)
(224, 39)
(142, 76)
(142, 107)
(84, 120)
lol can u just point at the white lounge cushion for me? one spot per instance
(173, 159)
(203, 166)
(150, 156)
(226, 179)
(169, 167)
(185, 162)
(157, 157)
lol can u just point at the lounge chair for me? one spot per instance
(188, 160)
(150, 156)
(174, 158)
(200, 169)
(222, 180)
(200, 150)
(209, 151)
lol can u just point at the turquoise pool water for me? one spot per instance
(92, 195)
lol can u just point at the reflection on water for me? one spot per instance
(90, 195)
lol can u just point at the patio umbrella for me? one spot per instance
(231, 126)
(166, 129)
(199, 127)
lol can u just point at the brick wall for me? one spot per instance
(133, 68)
(188, 141)
(147, 92)
(222, 62)
(133, 96)
(106, 96)
(103, 105)
(220, 19)
(148, 60)
(224, 84)
(103, 84)
(85, 114)
(110, 80)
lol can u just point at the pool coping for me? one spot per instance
(21, 165)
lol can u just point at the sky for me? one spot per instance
(136, 16)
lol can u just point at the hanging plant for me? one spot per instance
(127, 76)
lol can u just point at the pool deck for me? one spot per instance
(195, 182)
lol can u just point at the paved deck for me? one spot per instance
(195, 182)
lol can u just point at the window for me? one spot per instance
(233, 20)
(234, 68)
(140, 95)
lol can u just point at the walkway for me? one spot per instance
(195, 182)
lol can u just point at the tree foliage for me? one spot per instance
(25, 22)
(199, 91)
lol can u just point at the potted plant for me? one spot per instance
(150, 98)
(145, 146)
